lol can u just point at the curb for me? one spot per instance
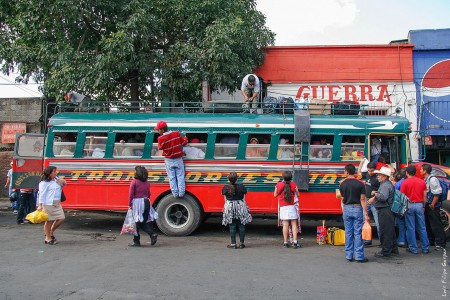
(4, 203)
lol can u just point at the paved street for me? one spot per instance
(92, 261)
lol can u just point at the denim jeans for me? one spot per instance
(175, 172)
(401, 239)
(374, 212)
(25, 206)
(353, 222)
(234, 227)
(415, 220)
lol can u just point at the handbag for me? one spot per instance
(335, 236)
(63, 197)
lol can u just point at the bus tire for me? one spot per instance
(178, 216)
(445, 218)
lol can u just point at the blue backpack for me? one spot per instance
(400, 203)
(444, 188)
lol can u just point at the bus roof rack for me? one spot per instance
(321, 108)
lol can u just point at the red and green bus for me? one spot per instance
(96, 153)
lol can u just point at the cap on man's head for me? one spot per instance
(195, 140)
(160, 125)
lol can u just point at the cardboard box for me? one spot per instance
(319, 107)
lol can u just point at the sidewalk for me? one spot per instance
(4, 203)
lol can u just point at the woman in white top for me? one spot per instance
(50, 189)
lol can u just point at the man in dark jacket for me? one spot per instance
(382, 200)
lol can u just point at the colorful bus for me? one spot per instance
(96, 153)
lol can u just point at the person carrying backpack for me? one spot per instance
(433, 205)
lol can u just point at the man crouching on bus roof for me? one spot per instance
(171, 143)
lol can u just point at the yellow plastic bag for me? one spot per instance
(37, 216)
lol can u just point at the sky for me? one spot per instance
(351, 22)
(10, 89)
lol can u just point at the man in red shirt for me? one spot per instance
(171, 143)
(416, 190)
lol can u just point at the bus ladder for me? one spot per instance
(302, 136)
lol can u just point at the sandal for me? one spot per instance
(51, 242)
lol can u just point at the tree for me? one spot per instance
(132, 50)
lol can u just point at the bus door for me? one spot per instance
(392, 147)
(27, 161)
(302, 137)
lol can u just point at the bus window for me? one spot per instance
(196, 148)
(226, 146)
(95, 144)
(258, 147)
(321, 147)
(29, 145)
(352, 148)
(64, 144)
(286, 148)
(128, 145)
(155, 152)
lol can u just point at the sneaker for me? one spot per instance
(232, 246)
(349, 259)
(242, 246)
(362, 260)
(410, 251)
(15, 212)
(134, 245)
(401, 245)
(296, 245)
(153, 239)
(425, 251)
(285, 245)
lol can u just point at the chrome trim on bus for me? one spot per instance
(193, 167)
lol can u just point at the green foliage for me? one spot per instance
(136, 49)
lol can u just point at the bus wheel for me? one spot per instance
(178, 216)
(445, 218)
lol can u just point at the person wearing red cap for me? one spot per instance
(171, 143)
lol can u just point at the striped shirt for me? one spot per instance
(171, 143)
